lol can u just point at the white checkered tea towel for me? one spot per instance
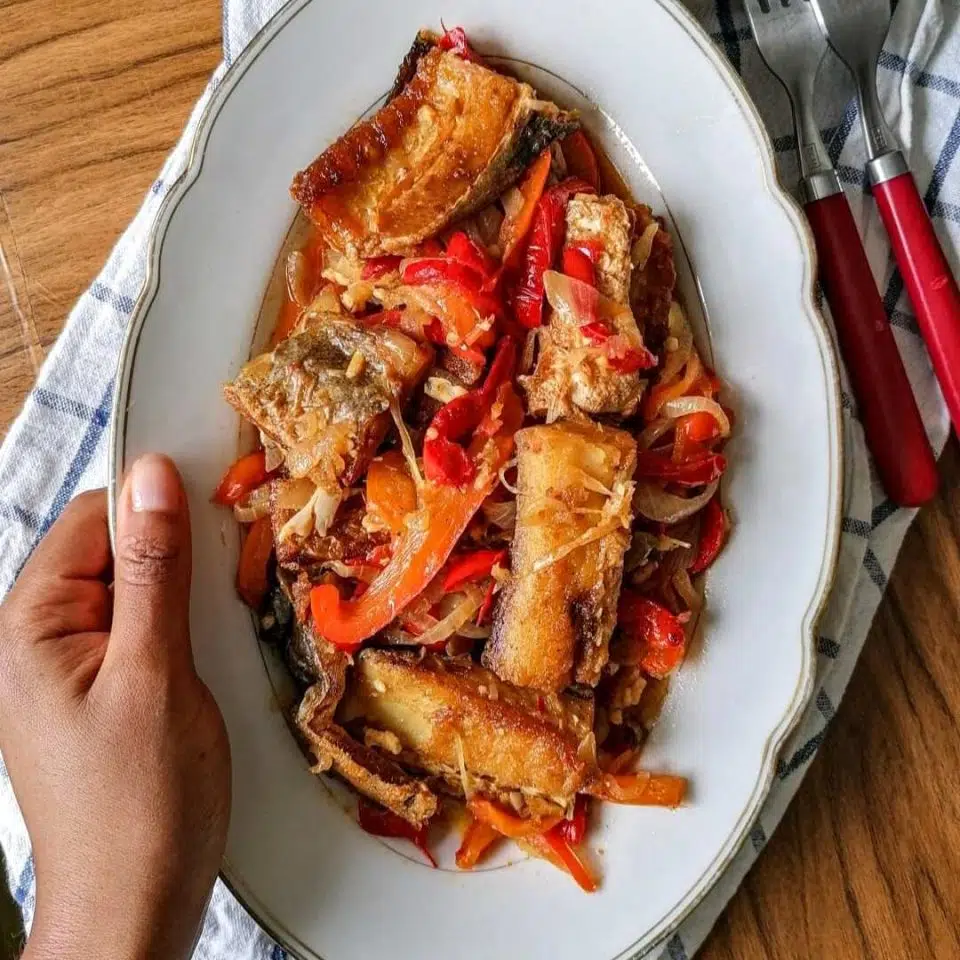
(57, 447)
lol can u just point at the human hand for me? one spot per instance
(116, 749)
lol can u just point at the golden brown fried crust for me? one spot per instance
(368, 771)
(452, 715)
(553, 625)
(455, 137)
(328, 425)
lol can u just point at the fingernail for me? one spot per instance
(154, 485)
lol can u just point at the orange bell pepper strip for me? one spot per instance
(391, 491)
(252, 582)
(514, 229)
(663, 392)
(477, 839)
(506, 823)
(243, 475)
(428, 538)
(640, 789)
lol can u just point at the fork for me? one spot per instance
(793, 47)
(856, 30)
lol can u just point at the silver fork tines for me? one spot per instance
(793, 47)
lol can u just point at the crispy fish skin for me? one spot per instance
(572, 377)
(366, 769)
(603, 223)
(452, 715)
(454, 138)
(553, 625)
(302, 397)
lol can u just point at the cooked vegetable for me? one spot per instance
(253, 569)
(713, 532)
(242, 477)
(580, 158)
(516, 225)
(543, 248)
(427, 541)
(641, 789)
(554, 848)
(478, 837)
(391, 491)
(652, 636)
(382, 823)
(574, 829)
(471, 567)
(653, 502)
(445, 461)
(696, 470)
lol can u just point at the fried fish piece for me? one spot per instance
(553, 624)
(363, 767)
(323, 396)
(453, 139)
(458, 722)
(573, 375)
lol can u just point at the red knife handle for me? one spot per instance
(929, 282)
(888, 411)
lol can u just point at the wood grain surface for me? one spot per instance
(866, 863)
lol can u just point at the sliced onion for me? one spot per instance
(472, 632)
(686, 591)
(315, 515)
(686, 405)
(653, 432)
(655, 503)
(296, 274)
(273, 455)
(326, 301)
(406, 445)
(640, 253)
(680, 330)
(453, 621)
(254, 505)
(512, 202)
(357, 571)
(501, 513)
(442, 390)
(341, 269)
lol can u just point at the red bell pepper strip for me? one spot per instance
(455, 39)
(444, 460)
(427, 541)
(554, 848)
(377, 267)
(252, 581)
(486, 604)
(699, 469)
(699, 427)
(463, 249)
(546, 238)
(471, 567)
(574, 829)
(654, 635)
(581, 159)
(624, 357)
(384, 823)
(713, 533)
(464, 280)
(596, 331)
(575, 263)
(242, 476)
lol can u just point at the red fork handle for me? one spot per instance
(929, 282)
(888, 411)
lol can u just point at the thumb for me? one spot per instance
(152, 566)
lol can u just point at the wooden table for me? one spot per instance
(866, 863)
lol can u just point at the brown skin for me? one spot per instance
(116, 749)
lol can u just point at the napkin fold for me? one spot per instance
(57, 446)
